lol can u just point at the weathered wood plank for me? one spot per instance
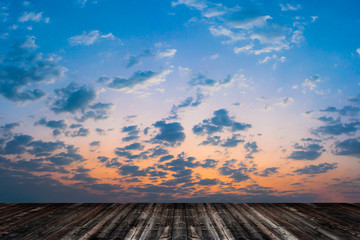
(193, 221)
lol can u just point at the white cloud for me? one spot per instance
(285, 101)
(167, 53)
(311, 82)
(30, 43)
(358, 51)
(89, 38)
(246, 48)
(214, 56)
(313, 18)
(289, 7)
(33, 17)
(198, 4)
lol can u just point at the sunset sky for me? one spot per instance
(179, 101)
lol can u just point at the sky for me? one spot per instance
(179, 101)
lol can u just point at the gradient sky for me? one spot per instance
(180, 101)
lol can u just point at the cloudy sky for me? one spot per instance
(183, 100)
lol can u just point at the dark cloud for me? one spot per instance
(53, 124)
(7, 129)
(40, 148)
(337, 129)
(17, 145)
(166, 158)
(21, 68)
(308, 151)
(209, 163)
(73, 98)
(170, 133)
(68, 157)
(139, 79)
(180, 163)
(81, 132)
(135, 59)
(251, 148)
(239, 174)
(188, 102)
(355, 100)
(132, 133)
(316, 169)
(348, 147)
(229, 142)
(208, 182)
(201, 80)
(345, 111)
(100, 131)
(268, 172)
(97, 111)
(131, 170)
(217, 123)
(95, 144)
(157, 151)
(109, 163)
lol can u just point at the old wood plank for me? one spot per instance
(248, 225)
(70, 225)
(274, 227)
(111, 214)
(236, 229)
(121, 230)
(165, 228)
(81, 231)
(179, 231)
(109, 228)
(206, 221)
(153, 221)
(283, 221)
(139, 225)
(222, 230)
(194, 230)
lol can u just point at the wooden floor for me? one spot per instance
(180, 221)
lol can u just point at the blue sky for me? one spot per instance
(183, 100)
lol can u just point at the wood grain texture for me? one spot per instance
(180, 221)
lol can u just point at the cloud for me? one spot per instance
(138, 80)
(237, 174)
(135, 59)
(316, 169)
(132, 133)
(21, 68)
(200, 80)
(188, 102)
(337, 129)
(33, 17)
(97, 111)
(310, 83)
(289, 7)
(258, 31)
(354, 100)
(17, 145)
(7, 129)
(198, 4)
(307, 151)
(358, 51)
(66, 158)
(95, 144)
(286, 101)
(81, 132)
(268, 172)
(170, 133)
(251, 148)
(89, 38)
(208, 182)
(348, 147)
(72, 98)
(217, 123)
(168, 53)
(41, 148)
(229, 142)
